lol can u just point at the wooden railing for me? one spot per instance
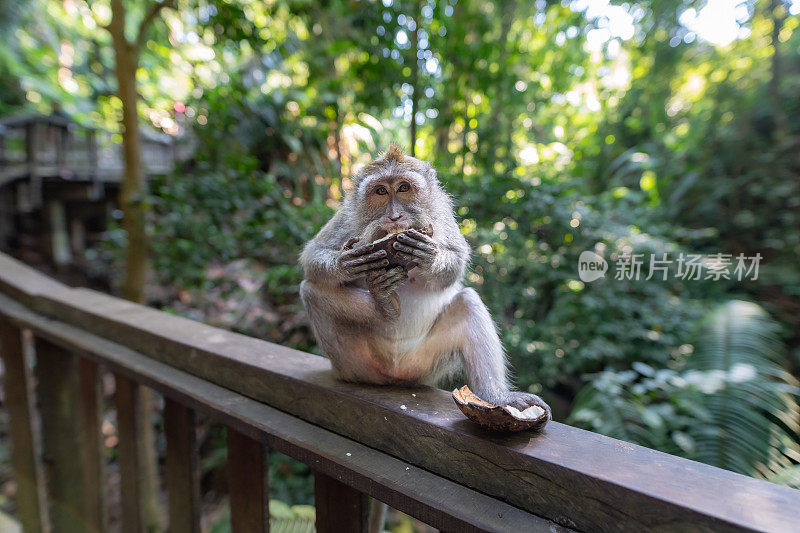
(410, 448)
(35, 146)
(59, 180)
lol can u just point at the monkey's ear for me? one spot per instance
(360, 174)
(431, 175)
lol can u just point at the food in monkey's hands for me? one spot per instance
(396, 259)
(498, 417)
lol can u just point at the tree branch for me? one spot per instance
(151, 14)
(116, 27)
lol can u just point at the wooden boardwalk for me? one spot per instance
(59, 181)
(35, 146)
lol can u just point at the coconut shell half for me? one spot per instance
(396, 259)
(498, 417)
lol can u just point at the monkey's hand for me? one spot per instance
(418, 247)
(357, 262)
(383, 284)
(520, 400)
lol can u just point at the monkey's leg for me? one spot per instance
(466, 326)
(349, 304)
(339, 319)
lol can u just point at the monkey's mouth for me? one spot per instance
(380, 233)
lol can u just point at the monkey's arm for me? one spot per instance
(319, 264)
(320, 255)
(466, 326)
(450, 263)
(342, 304)
(330, 259)
(442, 259)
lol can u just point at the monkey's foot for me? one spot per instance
(509, 411)
(521, 400)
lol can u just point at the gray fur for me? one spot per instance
(388, 326)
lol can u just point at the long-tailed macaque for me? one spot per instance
(388, 326)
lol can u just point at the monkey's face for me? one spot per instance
(393, 193)
(393, 203)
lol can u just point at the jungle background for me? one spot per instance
(663, 127)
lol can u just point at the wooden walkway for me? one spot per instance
(36, 146)
(59, 181)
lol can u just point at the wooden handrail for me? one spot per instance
(57, 146)
(53, 120)
(409, 447)
(437, 501)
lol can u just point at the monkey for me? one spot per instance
(382, 324)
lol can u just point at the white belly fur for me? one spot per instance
(419, 308)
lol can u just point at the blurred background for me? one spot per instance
(665, 127)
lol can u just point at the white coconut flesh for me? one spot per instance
(530, 413)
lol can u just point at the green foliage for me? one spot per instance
(722, 151)
(556, 327)
(730, 404)
(282, 517)
(551, 141)
(754, 410)
(235, 214)
(656, 166)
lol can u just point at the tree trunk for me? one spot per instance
(464, 133)
(415, 77)
(778, 16)
(443, 132)
(337, 133)
(131, 200)
(337, 141)
(500, 118)
(132, 191)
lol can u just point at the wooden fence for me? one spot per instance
(36, 146)
(59, 181)
(410, 448)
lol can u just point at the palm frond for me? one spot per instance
(732, 405)
(754, 409)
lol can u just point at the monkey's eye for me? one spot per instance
(404, 187)
(381, 190)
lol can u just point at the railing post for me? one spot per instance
(24, 446)
(181, 468)
(2, 145)
(136, 516)
(30, 142)
(93, 454)
(57, 233)
(62, 138)
(248, 483)
(93, 160)
(59, 393)
(340, 508)
(32, 132)
(91, 151)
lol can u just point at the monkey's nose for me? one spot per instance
(395, 218)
